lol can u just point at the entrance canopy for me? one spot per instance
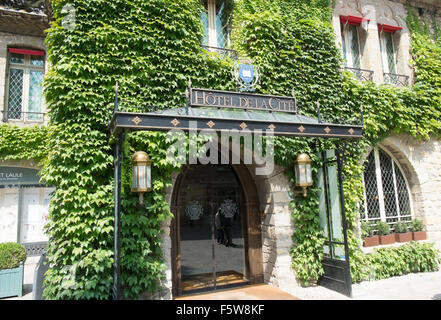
(225, 110)
(218, 119)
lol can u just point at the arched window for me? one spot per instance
(387, 196)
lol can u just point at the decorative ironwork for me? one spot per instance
(243, 125)
(271, 127)
(398, 80)
(301, 129)
(175, 122)
(25, 116)
(370, 183)
(387, 178)
(391, 202)
(327, 130)
(361, 74)
(210, 124)
(136, 120)
(351, 131)
(222, 52)
(15, 99)
(35, 248)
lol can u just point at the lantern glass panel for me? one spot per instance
(142, 179)
(297, 174)
(302, 169)
(308, 173)
(135, 177)
(149, 176)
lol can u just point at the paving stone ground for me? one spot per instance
(417, 286)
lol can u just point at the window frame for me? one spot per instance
(346, 40)
(383, 51)
(26, 67)
(380, 191)
(212, 36)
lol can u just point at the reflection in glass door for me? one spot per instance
(211, 229)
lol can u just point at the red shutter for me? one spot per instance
(25, 51)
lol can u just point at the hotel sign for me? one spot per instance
(17, 175)
(227, 99)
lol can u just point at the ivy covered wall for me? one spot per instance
(151, 48)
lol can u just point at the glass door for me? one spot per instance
(211, 229)
(332, 220)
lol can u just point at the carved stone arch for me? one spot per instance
(386, 14)
(348, 7)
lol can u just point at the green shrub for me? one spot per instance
(416, 225)
(11, 255)
(367, 230)
(383, 228)
(400, 227)
(412, 257)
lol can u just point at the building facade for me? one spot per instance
(402, 176)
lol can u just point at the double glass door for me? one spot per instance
(212, 245)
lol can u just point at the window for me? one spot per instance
(24, 85)
(350, 45)
(387, 52)
(387, 196)
(215, 20)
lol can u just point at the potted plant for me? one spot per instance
(417, 228)
(12, 257)
(386, 237)
(367, 233)
(402, 234)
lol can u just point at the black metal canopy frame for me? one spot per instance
(218, 111)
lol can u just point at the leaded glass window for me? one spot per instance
(350, 46)
(387, 52)
(215, 20)
(24, 87)
(387, 196)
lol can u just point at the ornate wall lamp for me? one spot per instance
(303, 173)
(142, 174)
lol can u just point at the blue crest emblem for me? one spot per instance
(246, 75)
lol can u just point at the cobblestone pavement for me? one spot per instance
(416, 286)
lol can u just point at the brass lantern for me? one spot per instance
(142, 174)
(303, 172)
